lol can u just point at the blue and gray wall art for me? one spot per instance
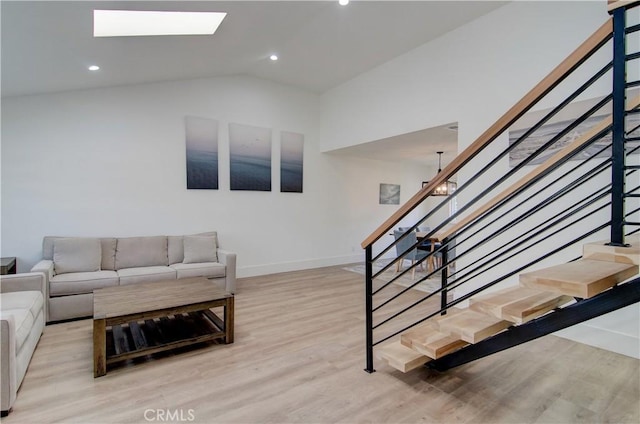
(291, 162)
(250, 157)
(202, 153)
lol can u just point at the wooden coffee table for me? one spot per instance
(141, 319)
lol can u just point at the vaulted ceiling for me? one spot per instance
(48, 45)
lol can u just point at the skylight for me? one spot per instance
(128, 23)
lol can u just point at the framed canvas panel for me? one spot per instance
(201, 135)
(389, 194)
(250, 157)
(291, 162)
(561, 121)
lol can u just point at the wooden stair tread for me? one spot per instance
(584, 278)
(400, 357)
(601, 252)
(427, 340)
(518, 304)
(472, 326)
(434, 322)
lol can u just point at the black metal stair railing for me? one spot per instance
(574, 184)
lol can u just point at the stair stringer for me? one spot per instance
(608, 301)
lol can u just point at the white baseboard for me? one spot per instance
(602, 338)
(265, 269)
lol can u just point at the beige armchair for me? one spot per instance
(22, 319)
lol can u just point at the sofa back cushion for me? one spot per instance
(176, 246)
(76, 254)
(199, 249)
(108, 253)
(176, 249)
(108, 245)
(134, 252)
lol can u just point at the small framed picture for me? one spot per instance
(389, 194)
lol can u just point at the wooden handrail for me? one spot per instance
(566, 151)
(575, 59)
(616, 4)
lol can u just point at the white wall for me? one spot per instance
(472, 76)
(111, 162)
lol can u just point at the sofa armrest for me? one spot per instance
(30, 281)
(8, 365)
(228, 259)
(45, 266)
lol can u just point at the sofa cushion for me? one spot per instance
(76, 254)
(199, 249)
(136, 252)
(108, 253)
(81, 282)
(203, 269)
(209, 234)
(23, 322)
(146, 274)
(108, 250)
(30, 300)
(175, 247)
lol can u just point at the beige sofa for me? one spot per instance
(22, 316)
(75, 266)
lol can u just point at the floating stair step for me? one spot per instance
(584, 278)
(434, 322)
(427, 340)
(472, 326)
(518, 304)
(400, 357)
(601, 252)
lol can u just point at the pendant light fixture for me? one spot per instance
(447, 187)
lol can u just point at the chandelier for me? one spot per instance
(447, 187)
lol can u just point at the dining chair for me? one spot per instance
(405, 244)
(429, 245)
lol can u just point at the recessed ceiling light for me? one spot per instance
(119, 23)
(273, 57)
(343, 2)
(94, 68)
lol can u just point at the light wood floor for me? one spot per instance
(299, 357)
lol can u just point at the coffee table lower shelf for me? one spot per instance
(141, 319)
(141, 338)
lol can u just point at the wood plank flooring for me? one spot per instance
(298, 357)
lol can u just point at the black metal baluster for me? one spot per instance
(445, 271)
(369, 307)
(618, 156)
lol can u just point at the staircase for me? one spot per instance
(540, 293)
(576, 181)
